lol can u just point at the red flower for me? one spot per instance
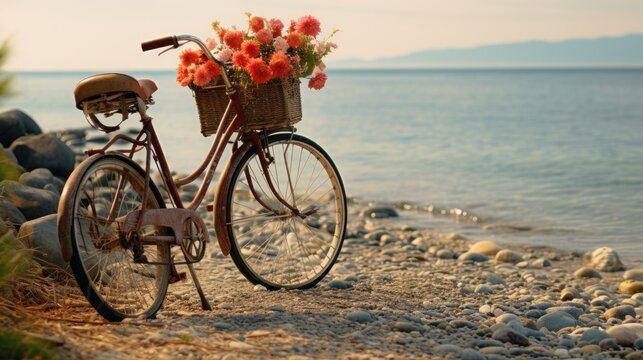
(221, 33)
(201, 76)
(294, 40)
(259, 71)
(182, 75)
(256, 23)
(189, 57)
(280, 65)
(251, 48)
(318, 81)
(240, 59)
(308, 25)
(212, 69)
(276, 25)
(292, 26)
(233, 39)
(264, 36)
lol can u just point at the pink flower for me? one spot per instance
(264, 36)
(210, 43)
(233, 38)
(317, 81)
(251, 48)
(280, 65)
(259, 71)
(188, 57)
(240, 59)
(280, 44)
(321, 66)
(256, 23)
(201, 76)
(294, 40)
(276, 25)
(308, 25)
(225, 54)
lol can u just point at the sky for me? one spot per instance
(55, 35)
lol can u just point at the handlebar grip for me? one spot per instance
(159, 43)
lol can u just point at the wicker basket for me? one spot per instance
(272, 105)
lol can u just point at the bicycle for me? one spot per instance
(117, 231)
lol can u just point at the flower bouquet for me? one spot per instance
(263, 60)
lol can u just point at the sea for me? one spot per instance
(541, 157)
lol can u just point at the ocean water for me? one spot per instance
(539, 157)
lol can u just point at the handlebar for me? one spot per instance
(176, 41)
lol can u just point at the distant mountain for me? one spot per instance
(606, 51)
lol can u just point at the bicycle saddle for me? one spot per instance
(107, 84)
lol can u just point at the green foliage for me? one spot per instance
(13, 261)
(14, 345)
(5, 80)
(8, 170)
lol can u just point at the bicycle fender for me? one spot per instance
(219, 209)
(66, 207)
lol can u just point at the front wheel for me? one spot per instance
(271, 244)
(119, 277)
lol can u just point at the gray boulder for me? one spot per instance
(41, 178)
(32, 203)
(42, 235)
(28, 123)
(604, 259)
(14, 124)
(10, 214)
(44, 151)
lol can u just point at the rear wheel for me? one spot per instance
(103, 259)
(271, 244)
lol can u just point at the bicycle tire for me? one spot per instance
(99, 260)
(301, 248)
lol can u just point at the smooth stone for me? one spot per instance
(259, 287)
(509, 335)
(556, 321)
(459, 323)
(586, 272)
(508, 256)
(446, 349)
(569, 294)
(360, 316)
(445, 254)
(40, 179)
(540, 263)
(406, 326)
(506, 318)
(483, 289)
(638, 344)
(42, 235)
(11, 214)
(494, 279)
(482, 343)
(561, 353)
(339, 284)
(535, 313)
(455, 236)
(626, 334)
(470, 354)
(594, 336)
(633, 274)
(494, 350)
(486, 309)
(44, 151)
(636, 355)
(631, 287)
(32, 203)
(591, 349)
(604, 259)
(573, 311)
(620, 312)
(609, 344)
(11, 127)
(472, 256)
(29, 124)
(486, 247)
(374, 212)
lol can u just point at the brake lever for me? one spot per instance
(172, 48)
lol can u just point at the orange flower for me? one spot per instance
(259, 71)
(276, 25)
(264, 36)
(240, 59)
(188, 57)
(201, 76)
(221, 33)
(251, 48)
(212, 69)
(233, 39)
(256, 23)
(294, 40)
(280, 65)
(182, 75)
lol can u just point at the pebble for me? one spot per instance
(569, 294)
(591, 349)
(446, 349)
(340, 284)
(379, 212)
(406, 326)
(485, 247)
(638, 344)
(561, 353)
(631, 287)
(459, 323)
(483, 289)
(594, 336)
(633, 274)
(259, 287)
(626, 334)
(445, 254)
(508, 256)
(360, 316)
(556, 321)
(510, 336)
(586, 272)
(470, 354)
(574, 311)
(620, 312)
(604, 259)
(495, 279)
(472, 256)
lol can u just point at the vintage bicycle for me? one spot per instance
(279, 207)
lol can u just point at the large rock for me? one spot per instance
(10, 213)
(40, 178)
(11, 128)
(30, 126)
(32, 203)
(42, 235)
(556, 321)
(44, 151)
(604, 259)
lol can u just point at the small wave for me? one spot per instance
(506, 228)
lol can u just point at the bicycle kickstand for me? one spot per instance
(205, 305)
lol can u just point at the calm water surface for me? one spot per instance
(542, 157)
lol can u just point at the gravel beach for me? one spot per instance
(396, 291)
